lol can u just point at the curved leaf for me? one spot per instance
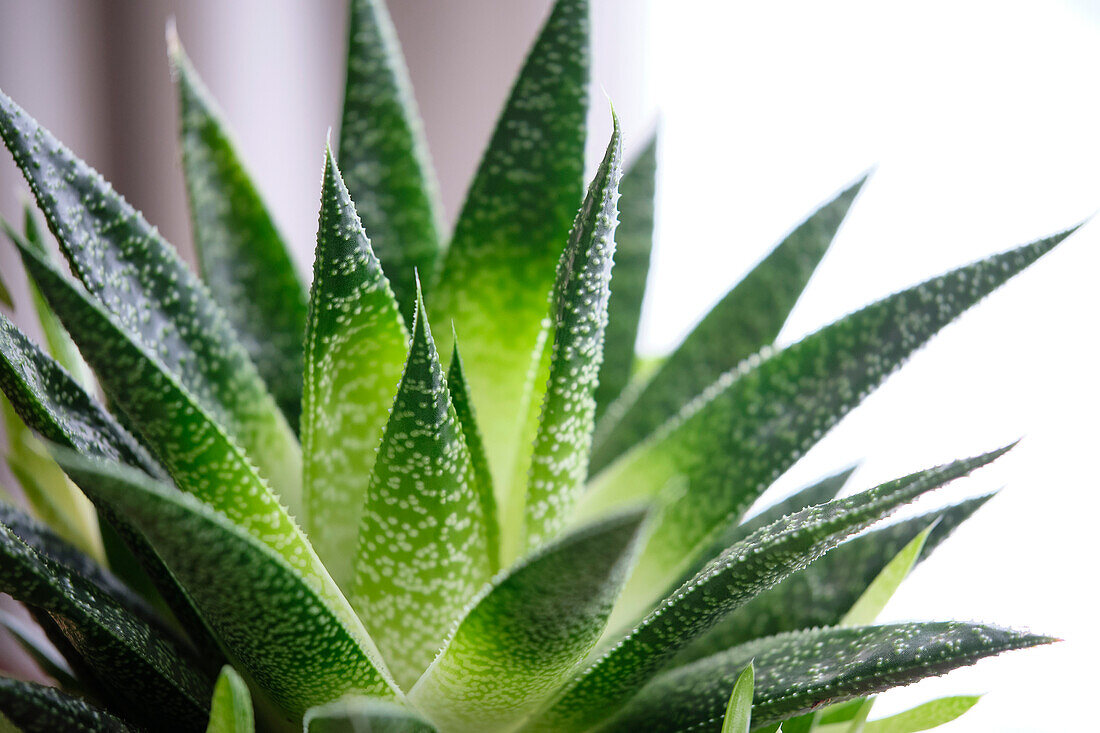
(523, 636)
(299, 646)
(798, 672)
(383, 154)
(355, 348)
(40, 709)
(924, 717)
(364, 715)
(747, 318)
(738, 715)
(231, 708)
(423, 546)
(48, 659)
(243, 259)
(559, 460)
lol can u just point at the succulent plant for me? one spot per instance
(300, 507)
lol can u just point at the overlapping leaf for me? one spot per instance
(155, 303)
(244, 260)
(423, 545)
(301, 647)
(364, 715)
(746, 319)
(512, 228)
(39, 709)
(45, 656)
(523, 636)
(384, 157)
(799, 671)
(559, 460)
(738, 575)
(231, 707)
(738, 717)
(633, 247)
(751, 425)
(355, 348)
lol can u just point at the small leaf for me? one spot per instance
(5, 294)
(747, 319)
(384, 156)
(299, 646)
(423, 545)
(364, 715)
(154, 301)
(633, 247)
(742, 572)
(243, 259)
(748, 428)
(801, 671)
(355, 348)
(48, 659)
(512, 229)
(559, 461)
(523, 636)
(40, 709)
(738, 717)
(924, 717)
(882, 588)
(231, 708)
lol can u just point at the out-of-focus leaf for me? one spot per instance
(231, 707)
(870, 604)
(48, 659)
(39, 709)
(924, 717)
(738, 715)
(364, 715)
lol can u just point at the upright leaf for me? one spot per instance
(39, 709)
(364, 715)
(738, 715)
(870, 604)
(751, 425)
(739, 574)
(231, 708)
(633, 247)
(523, 636)
(301, 647)
(513, 227)
(746, 319)
(798, 672)
(154, 301)
(355, 347)
(423, 546)
(559, 462)
(244, 260)
(384, 156)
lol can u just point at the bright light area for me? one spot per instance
(983, 120)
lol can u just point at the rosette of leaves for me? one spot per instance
(253, 505)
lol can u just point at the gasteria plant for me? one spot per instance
(290, 487)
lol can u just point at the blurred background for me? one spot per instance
(981, 122)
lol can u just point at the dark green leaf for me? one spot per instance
(39, 709)
(800, 671)
(633, 246)
(526, 634)
(364, 715)
(231, 708)
(731, 580)
(244, 260)
(559, 461)
(48, 659)
(355, 348)
(746, 319)
(423, 546)
(384, 156)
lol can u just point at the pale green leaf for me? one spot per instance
(231, 707)
(384, 157)
(39, 709)
(523, 636)
(243, 259)
(355, 348)
(924, 717)
(364, 715)
(738, 717)
(869, 605)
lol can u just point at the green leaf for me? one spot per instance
(243, 259)
(299, 646)
(460, 398)
(155, 302)
(738, 715)
(523, 636)
(559, 461)
(859, 720)
(40, 709)
(869, 605)
(513, 227)
(146, 673)
(423, 547)
(633, 247)
(747, 319)
(355, 348)
(749, 427)
(924, 717)
(364, 715)
(231, 708)
(821, 594)
(384, 156)
(48, 659)
(5, 294)
(801, 671)
(742, 572)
